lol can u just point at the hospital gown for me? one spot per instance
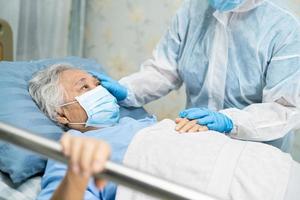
(244, 63)
(119, 137)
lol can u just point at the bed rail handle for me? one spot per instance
(117, 173)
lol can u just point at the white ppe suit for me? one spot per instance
(244, 63)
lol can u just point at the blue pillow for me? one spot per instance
(18, 109)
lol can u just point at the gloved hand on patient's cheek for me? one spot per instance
(114, 87)
(213, 120)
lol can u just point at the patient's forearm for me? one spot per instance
(72, 187)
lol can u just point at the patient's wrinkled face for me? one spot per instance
(75, 82)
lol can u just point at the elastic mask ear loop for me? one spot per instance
(69, 103)
(77, 123)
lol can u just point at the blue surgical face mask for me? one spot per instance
(225, 5)
(100, 106)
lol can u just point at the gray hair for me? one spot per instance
(45, 89)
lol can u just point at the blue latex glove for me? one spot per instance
(114, 87)
(213, 120)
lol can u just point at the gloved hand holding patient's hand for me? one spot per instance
(87, 156)
(114, 87)
(213, 120)
(188, 126)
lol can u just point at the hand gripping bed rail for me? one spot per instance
(115, 172)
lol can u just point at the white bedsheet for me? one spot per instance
(26, 191)
(293, 192)
(209, 162)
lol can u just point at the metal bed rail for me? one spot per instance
(114, 172)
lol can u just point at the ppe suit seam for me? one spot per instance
(262, 70)
(192, 43)
(182, 50)
(284, 42)
(188, 47)
(280, 58)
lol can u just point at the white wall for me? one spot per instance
(122, 34)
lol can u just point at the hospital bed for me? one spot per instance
(28, 189)
(14, 87)
(115, 172)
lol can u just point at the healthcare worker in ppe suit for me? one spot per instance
(240, 63)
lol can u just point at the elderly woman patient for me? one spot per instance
(75, 100)
(209, 162)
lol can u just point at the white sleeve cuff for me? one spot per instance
(130, 100)
(262, 122)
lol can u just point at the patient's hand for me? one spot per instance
(87, 156)
(188, 126)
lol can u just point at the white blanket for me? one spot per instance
(209, 162)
